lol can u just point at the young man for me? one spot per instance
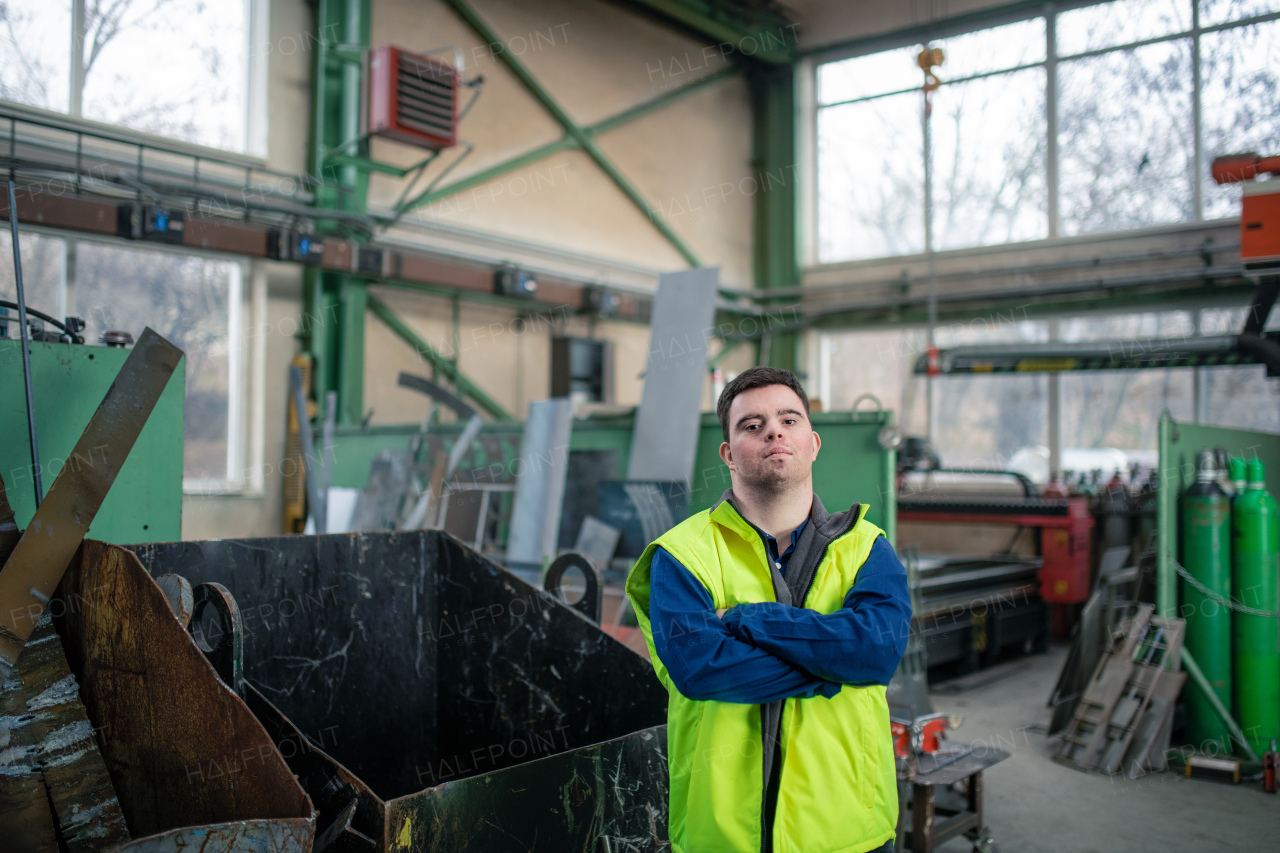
(775, 627)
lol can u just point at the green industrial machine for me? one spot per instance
(69, 381)
(1255, 558)
(1206, 555)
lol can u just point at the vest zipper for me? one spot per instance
(768, 803)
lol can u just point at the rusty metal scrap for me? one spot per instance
(183, 750)
(26, 821)
(65, 747)
(9, 532)
(31, 574)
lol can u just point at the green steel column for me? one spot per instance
(775, 168)
(336, 302)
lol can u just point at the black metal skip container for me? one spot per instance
(429, 700)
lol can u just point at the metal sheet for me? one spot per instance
(665, 440)
(245, 836)
(33, 570)
(379, 506)
(64, 745)
(181, 748)
(337, 636)
(610, 796)
(544, 454)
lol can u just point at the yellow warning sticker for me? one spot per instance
(405, 838)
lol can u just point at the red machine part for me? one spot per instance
(1260, 222)
(1260, 206)
(1065, 542)
(921, 736)
(931, 729)
(1234, 168)
(1064, 578)
(901, 737)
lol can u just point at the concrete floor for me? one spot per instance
(1034, 804)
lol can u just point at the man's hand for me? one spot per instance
(722, 611)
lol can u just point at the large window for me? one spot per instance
(1112, 146)
(178, 68)
(195, 302)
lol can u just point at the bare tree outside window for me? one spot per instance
(176, 68)
(193, 302)
(35, 41)
(1240, 105)
(1124, 110)
(192, 84)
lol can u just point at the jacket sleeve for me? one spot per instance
(859, 644)
(704, 659)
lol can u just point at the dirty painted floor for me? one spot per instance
(1037, 806)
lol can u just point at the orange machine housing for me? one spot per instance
(1260, 225)
(1260, 207)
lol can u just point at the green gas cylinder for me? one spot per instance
(1236, 476)
(1255, 558)
(1206, 555)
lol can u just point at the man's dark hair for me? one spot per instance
(756, 377)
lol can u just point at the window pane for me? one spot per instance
(874, 74)
(1242, 398)
(1121, 409)
(1120, 22)
(992, 49)
(989, 161)
(1133, 328)
(1240, 103)
(870, 193)
(192, 84)
(187, 299)
(982, 421)
(1124, 122)
(878, 362)
(43, 262)
(35, 52)
(1230, 321)
(1221, 11)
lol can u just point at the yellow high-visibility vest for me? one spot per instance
(837, 789)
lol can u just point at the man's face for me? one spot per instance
(771, 443)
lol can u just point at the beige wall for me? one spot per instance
(596, 60)
(507, 354)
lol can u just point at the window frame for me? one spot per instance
(806, 90)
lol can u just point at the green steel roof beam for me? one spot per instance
(754, 33)
(565, 143)
(571, 128)
(445, 366)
